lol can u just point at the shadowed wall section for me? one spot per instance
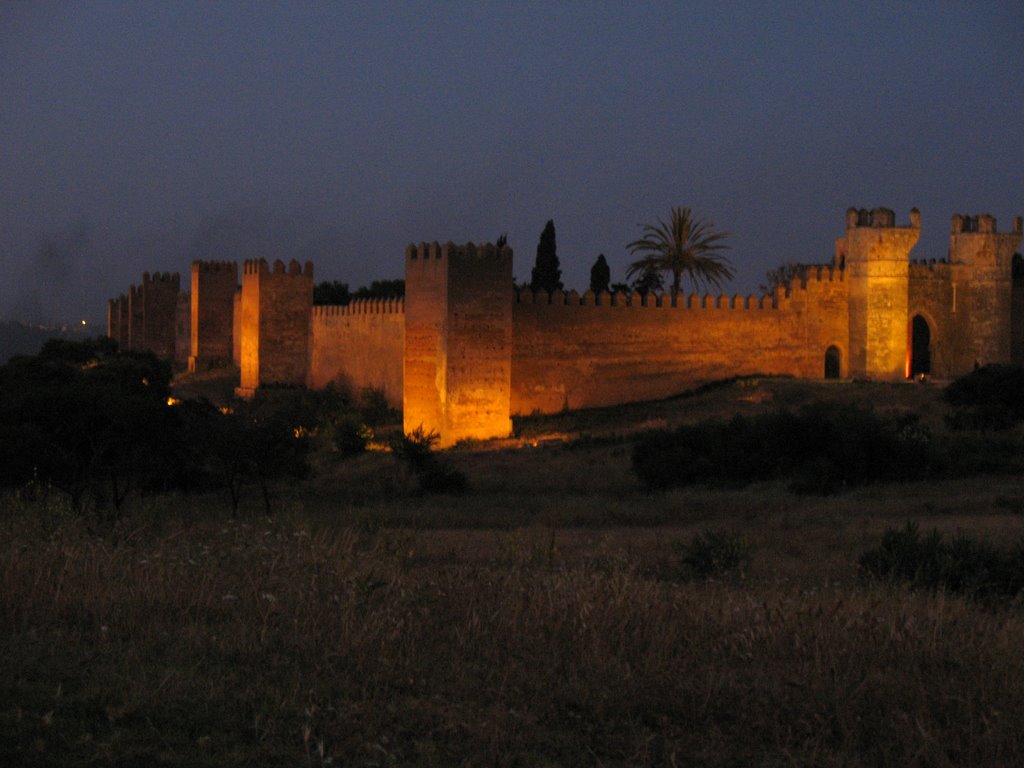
(973, 308)
(146, 319)
(359, 345)
(213, 309)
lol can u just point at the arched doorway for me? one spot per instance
(920, 347)
(833, 362)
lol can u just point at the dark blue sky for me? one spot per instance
(137, 136)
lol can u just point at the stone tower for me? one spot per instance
(159, 293)
(213, 306)
(458, 341)
(276, 306)
(981, 260)
(876, 254)
(117, 321)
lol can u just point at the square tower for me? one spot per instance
(458, 341)
(213, 306)
(276, 306)
(982, 268)
(877, 260)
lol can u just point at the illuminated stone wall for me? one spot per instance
(877, 257)
(931, 295)
(275, 316)
(458, 340)
(213, 309)
(359, 345)
(464, 351)
(587, 351)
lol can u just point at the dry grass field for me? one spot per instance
(545, 617)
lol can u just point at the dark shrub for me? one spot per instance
(433, 474)
(716, 553)
(962, 565)
(821, 448)
(374, 408)
(988, 398)
(350, 435)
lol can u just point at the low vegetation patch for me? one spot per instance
(716, 553)
(433, 473)
(987, 399)
(819, 448)
(962, 564)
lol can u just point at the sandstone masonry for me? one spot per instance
(464, 351)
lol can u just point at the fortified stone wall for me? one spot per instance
(877, 263)
(1017, 315)
(275, 321)
(117, 320)
(458, 340)
(931, 296)
(585, 351)
(213, 304)
(136, 338)
(982, 259)
(159, 300)
(358, 345)
(144, 319)
(464, 352)
(236, 329)
(183, 328)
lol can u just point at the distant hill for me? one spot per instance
(20, 339)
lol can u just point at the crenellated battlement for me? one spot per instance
(923, 269)
(460, 354)
(360, 307)
(262, 267)
(424, 252)
(878, 218)
(215, 267)
(170, 279)
(818, 277)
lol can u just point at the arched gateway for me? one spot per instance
(833, 362)
(920, 347)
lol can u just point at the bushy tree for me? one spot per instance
(333, 293)
(546, 275)
(381, 289)
(89, 421)
(783, 275)
(649, 280)
(336, 293)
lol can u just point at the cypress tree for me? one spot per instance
(600, 275)
(546, 274)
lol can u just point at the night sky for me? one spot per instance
(138, 136)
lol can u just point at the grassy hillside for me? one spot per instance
(549, 615)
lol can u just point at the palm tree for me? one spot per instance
(686, 246)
